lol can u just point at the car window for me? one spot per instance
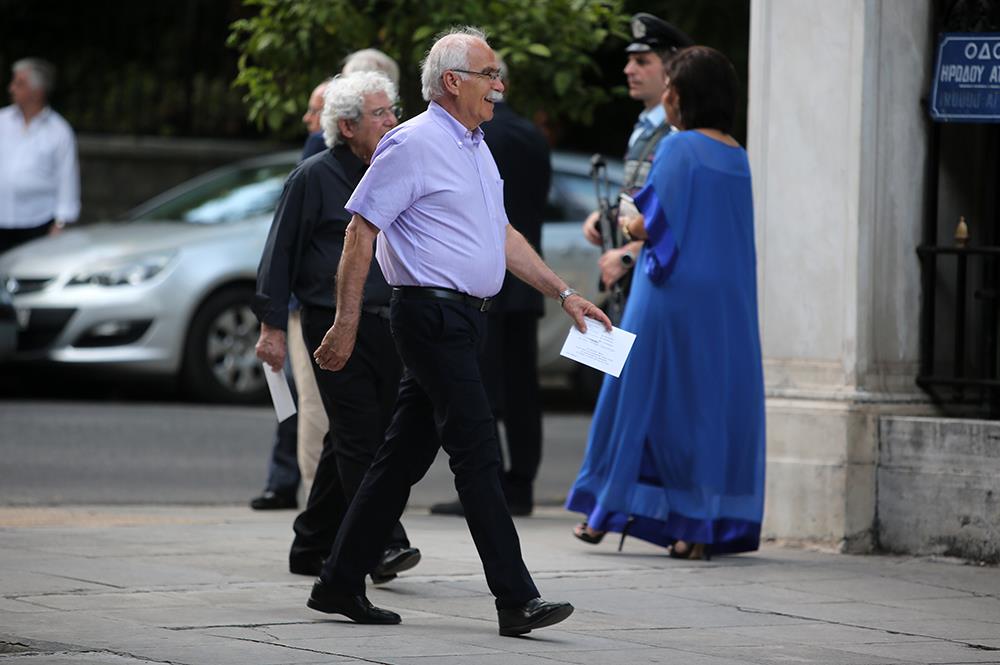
(232, 196)
(571, 198)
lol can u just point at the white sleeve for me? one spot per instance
(67, 179)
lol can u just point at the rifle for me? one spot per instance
(609, 231)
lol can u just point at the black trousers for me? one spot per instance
(359, 401)
(510, 373)
(441, 403)
(11, 238)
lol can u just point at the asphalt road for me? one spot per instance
(75, 452)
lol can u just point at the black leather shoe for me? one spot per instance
(356, 608)
(448, 508)
(394, 561)
(273, 501)
(536, 613)
(305, 564)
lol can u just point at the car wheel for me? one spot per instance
(220, 364)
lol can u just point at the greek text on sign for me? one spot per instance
(967, 78)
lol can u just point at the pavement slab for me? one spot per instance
(194, 585)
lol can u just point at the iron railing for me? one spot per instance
(971, 374)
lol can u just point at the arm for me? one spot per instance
(275, 273)
(68, 179)
(524, 262)
(613, 267)
(634, 228)
(590, 230)
(355, 261)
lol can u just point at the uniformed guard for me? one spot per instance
(653, 42)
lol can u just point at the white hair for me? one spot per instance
(450, 51)
(371, 60)
(344, 99)
(41, 74)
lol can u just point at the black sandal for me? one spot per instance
(581, 532)
(693, 551)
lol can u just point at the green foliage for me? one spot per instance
(549, 47)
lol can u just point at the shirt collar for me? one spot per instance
(454, 128)
(353, 166)
(653, 117)
(42, 115)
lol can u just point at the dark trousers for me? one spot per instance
(283, 468)
(441, 403)
(358, 400)
(11, 238)
(510, 372)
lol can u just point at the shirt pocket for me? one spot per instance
(500, 211)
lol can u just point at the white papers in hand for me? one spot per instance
(599, 348)
(284, 406)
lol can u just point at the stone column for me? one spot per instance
(837, 141)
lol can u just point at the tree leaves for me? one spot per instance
(540, 50)
(290, 45)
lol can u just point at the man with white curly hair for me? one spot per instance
(365, 60)
(433, 199)
(300, 257)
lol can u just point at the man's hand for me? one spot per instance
(579, 307)
(271, 346)
(590, 230)
(612, 268)
(336, 347)
(56, 229)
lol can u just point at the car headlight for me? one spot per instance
(131, 271)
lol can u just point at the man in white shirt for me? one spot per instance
(39, 172)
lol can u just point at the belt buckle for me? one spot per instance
(485, 305)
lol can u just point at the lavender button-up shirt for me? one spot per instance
(435, 193)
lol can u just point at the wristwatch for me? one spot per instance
(627, 259)
(566, 294)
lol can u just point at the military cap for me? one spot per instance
(650, 33)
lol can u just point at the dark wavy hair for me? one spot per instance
(707, 85)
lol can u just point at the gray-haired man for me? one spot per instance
(301, 255)
(433, 198)
(39, 173)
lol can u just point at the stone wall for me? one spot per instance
(939, 487)
(119, 172)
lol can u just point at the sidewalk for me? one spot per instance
(208, 585)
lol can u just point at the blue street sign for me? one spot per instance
(967, 78)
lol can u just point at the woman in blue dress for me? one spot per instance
(676, 448)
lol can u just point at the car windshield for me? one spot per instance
(232, 196)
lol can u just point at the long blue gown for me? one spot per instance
(677, 444)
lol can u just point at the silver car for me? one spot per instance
(167, 291)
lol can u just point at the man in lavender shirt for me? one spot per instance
(433, 198)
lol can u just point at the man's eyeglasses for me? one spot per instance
(491, 74)
(381, 111)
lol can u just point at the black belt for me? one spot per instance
(436, 293)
